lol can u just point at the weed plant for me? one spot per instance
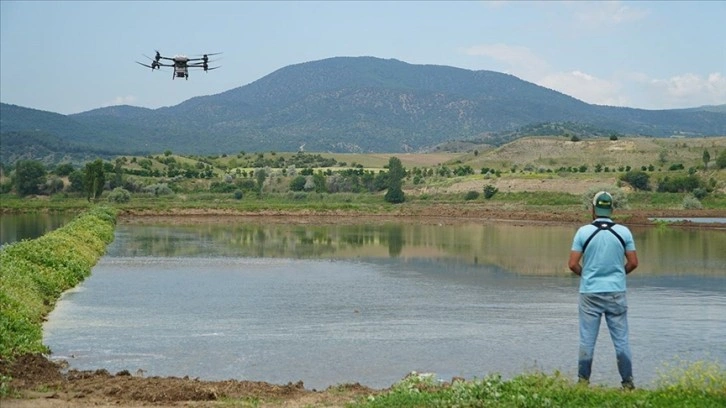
(696, 385)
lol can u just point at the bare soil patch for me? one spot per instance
(39, 382)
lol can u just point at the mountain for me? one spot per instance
(351, 104)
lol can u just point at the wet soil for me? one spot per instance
(40, 382)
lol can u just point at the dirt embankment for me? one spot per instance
(39, 382)
(445, 214)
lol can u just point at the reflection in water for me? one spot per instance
(369, 319)
(17, 227)
(369, 303)
(525, 250)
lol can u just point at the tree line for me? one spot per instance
(163, 174)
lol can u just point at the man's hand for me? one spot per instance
(574, 262)
(631, 261)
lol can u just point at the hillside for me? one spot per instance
(352, 104)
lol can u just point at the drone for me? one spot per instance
(180, 63)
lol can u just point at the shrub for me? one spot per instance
(119, 195)
(705, 377)
(159, 189)
(489, 191)
(620, 200)
(471, 195)
(221, 187)
(639, 180)
(691, 203)
(721, 160)
(298, 183)
(700, 193)
(682, 184)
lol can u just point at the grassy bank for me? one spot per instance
(697, 385)
(364, 203)
(34, 273)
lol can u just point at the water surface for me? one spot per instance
(370, 303)
(17, 227)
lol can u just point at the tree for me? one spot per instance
(297, 183)
(64, 169)
(260, 176)
(30, 175)
(117, 174)
(76, 178)
(395, 173)
(721, 159)
(663, 156)
(94, 180)
(706, 158)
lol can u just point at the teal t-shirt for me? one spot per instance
(603, 263)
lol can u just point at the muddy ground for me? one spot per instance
(39, 382)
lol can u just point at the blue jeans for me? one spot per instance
(614, 306)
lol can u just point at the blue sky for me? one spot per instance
(69, 57)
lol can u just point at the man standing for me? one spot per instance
(607, 251)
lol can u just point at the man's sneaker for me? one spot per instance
(628, 385)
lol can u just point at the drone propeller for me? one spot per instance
(153, 67)
(205, 57)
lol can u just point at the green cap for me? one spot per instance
(603, 204)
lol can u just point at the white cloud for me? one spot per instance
(638, 90)
(527, 65)
(608, 13)
(585, 87)
(631, 89)
(685, 90)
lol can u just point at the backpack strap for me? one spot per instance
(602, 226)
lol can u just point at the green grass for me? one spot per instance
(54, 203)
(34, 273)
(539, 198)
(699, 385)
